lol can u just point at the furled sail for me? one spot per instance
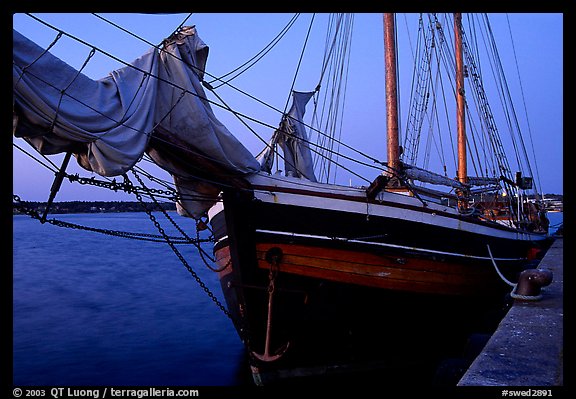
(157, 104)
(423, 175)
(292, 137)
(189, 141)
(482, 181)
(106, 123)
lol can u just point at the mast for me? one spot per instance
(391, 93)
(460, 100)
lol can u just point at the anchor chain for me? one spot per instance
(18, 204)
(130, 188)
(170, 195)
(173, 247)
(126, 187)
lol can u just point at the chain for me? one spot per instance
(173, 247)
(216, 269)
(126, 186)
(17, 204)
(201, 250)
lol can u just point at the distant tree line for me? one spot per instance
(95, 206)
(130, 206)
(556, 197)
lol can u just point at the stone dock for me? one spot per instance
(527, 348)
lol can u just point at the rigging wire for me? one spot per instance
(258, 56)
(302, 140)
(339, 39)
(237, 114)
(345, 74)
(481, 137)
(427, 83)
(358, 152)
(398, 73)
(157, 46)
(442, 57)
(299, 63)
(418, 105)
(503, 90)
(322, 162)
(524, 105)
(480, 140)
(225, 107)
(54, 167)
(480, 98)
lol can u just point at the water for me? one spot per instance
(91, 309)
(556, 218)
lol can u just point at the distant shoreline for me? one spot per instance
(554, 204)
(92, 206)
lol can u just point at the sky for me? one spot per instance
(537, 55)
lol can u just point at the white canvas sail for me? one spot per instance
(292, 137)
(105, 122)
(206, 151)
(108, 123)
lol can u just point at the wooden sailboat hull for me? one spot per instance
(337, 267)
(382, 269)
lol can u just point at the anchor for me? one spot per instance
(273, 256)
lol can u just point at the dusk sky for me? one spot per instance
(537, 55)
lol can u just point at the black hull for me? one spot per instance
(333, 329)
(327, 323)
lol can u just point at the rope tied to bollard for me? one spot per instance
(529, 283)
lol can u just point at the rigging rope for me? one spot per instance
(513, 293)
(325, 151)
(419, 94)
(299, 63)
(334, 98)
(248, 64)
(289, 134)
(525, 109)
(135, 35)
(238, 114)
(20, 206)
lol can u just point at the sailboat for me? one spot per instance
(318, 277)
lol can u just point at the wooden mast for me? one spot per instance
(391, 93)
(460, 100)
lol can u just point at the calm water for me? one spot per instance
(91, 309)
(556, 218)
